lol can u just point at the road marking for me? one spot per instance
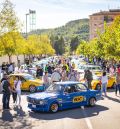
(89, 125)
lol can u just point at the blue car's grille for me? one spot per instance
(33, 101)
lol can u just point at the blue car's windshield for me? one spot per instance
(54, 88)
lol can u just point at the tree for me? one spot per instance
(107, 45)
(74, 43)
(8, 26)
(59, 45)
(38, 45)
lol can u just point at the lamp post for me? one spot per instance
(32, 20)
(26, 23)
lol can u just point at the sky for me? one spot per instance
(55, 13)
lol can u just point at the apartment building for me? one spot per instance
(97, 20)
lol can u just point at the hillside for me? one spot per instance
(79, 28)
(65, 39)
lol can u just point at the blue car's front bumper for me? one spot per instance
(42, 108)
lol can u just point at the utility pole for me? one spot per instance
(26, 24)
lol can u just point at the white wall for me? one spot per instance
(14, 59)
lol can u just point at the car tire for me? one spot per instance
(98, 87)
(54, 107)
(92, 102)
(32, 88)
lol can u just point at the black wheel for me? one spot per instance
(32, 88)
(98, 87)
(54, 107)
(114, 85)
(92, 102)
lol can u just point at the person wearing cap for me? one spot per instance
(56, 76)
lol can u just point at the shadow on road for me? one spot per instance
(10, 120)
(73, 113)
(19, 111)
(113, 99)
(7, 116)
(110, 90)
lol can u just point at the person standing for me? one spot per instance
(6, 92)
(88, 77)
(117, 88)
(72, 76)
(64, 74)
(56, 76)
(17, 87)
(45, 80)
(104, 81)
(112, 71)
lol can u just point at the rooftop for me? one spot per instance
(111, 11)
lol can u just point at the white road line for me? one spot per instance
(89, 125)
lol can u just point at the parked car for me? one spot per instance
(96, 82)
(93, 68)
(63, 95)
(28, 82)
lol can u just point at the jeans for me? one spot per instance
(18, 97)
(6, 99)
(117, 88)
(104, 87)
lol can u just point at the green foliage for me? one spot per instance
(107, 45)
(74, 43)
(58, 44)
(73, 31)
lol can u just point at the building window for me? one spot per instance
(108, 19)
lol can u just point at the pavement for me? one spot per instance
(105, 115)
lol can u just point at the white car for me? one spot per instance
(92, 68)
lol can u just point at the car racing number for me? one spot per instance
(78, 99)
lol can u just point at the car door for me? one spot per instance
(24, 83)
(72, 97)
(67, 97)
(80, 95)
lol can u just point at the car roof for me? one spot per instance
(20, 74)
(67, 82)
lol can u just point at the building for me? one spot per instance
(97, 20)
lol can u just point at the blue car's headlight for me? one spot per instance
(42, 102)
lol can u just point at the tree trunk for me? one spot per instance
(9, 58)
(24, 58)
(18, 61)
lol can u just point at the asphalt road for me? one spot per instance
(105, 115)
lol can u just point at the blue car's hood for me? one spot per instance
(43, 95)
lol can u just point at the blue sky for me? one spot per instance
(54, 13)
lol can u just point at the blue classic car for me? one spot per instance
(63, 95)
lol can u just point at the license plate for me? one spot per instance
(34, 106)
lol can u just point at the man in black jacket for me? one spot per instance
(6, 92)
(88, 77)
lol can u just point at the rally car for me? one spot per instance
(63, 95)
(28, 82)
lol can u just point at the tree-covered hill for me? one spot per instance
(74, 28)
(72, 33)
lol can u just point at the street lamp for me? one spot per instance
(26, 23)
(32, 20)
